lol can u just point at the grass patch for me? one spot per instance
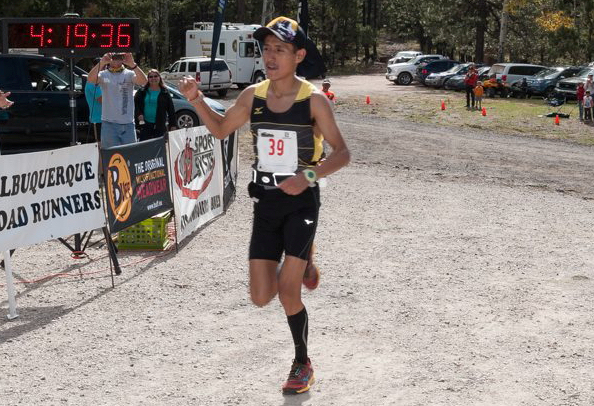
(525, 117)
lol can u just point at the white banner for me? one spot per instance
(196, 167)
(49, 194)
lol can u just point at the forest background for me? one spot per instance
(548, 32)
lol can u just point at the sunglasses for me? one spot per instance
(153, 76)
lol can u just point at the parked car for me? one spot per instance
(39, 87)
(185, 113)
(438, 79)
(441, 65)
(404, 56)
(403, 73)
(543, 83)
(567, 87)
(456, 82)
(198, 67)
(509, 73)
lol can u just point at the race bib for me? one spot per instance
(277, 151)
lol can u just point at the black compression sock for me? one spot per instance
(298, 326)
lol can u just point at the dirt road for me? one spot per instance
(457, 270)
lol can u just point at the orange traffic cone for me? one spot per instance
(442, 105)
(556, 119)
(367, 100)
(484, 112)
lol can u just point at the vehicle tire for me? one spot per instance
(491, 92)
(259, 77)
(186, 119)
(404, 78)
(222, 92)
(549, 92)
(503, 93)
(241, 86)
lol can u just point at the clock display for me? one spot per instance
(71, 36)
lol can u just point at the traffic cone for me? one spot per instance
(556, 119)
(484, 112)
(442, 105)
(367, 100)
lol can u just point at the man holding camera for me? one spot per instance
(117, 89)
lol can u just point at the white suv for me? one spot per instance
(512, 72)
(403, 73)
(403, 56)
(197, 66)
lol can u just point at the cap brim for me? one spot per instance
(262, 32)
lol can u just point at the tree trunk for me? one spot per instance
(481, 27)
(503, 30)
(154, 32)
(241, 15)
(167, 48)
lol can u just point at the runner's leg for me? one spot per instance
(263, 281)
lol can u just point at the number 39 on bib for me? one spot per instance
(277, 151)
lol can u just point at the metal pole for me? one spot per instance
(12, 314)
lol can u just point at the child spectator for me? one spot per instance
(479, 91)
(588, 107)
(326, 90)
(581, 91)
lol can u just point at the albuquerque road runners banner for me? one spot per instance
(137, 182)
(197, 178)
(49, 194)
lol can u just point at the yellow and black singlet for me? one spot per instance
(284, 142)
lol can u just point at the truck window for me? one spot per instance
(47, 77)
(222, 48)
(257, 52)
(182, 67)
(246, 49)
(174, 68)
(192, 67)
(218, 66)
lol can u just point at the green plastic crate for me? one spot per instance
(149, 234)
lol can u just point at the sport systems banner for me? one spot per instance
(136, 181)
(49, 194)
(197, 176)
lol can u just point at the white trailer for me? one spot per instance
(237, 46)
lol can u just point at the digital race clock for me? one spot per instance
(70, 36)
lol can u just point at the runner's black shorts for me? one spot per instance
(283, 223)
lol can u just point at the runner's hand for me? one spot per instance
(294, 185)
(189, 88)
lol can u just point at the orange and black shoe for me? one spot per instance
(311, 277)
(300, 378)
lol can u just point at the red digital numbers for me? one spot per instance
(81, 31)
(277, 147)
(123, 39)
(109, 36)
(73, 35)
(40, 35)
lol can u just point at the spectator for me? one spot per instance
(93, 96)
(326, 90)
(580, 99)
(470, 81)
(153, 108)
(479, 91)
(117, 88)
(589, 86)
(588, 107)
(4, 102)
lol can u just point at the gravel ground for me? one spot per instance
(457, 270)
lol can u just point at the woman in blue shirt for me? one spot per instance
(153, 108)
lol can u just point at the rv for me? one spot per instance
(237, 47)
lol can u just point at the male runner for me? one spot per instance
(285, 113)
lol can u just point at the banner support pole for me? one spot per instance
(12, 314)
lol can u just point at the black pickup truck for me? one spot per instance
(40, 116)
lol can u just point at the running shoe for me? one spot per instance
(300, 378)
(311, 277)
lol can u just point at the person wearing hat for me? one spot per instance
(117, 97)
(326, 90)
(285, 113)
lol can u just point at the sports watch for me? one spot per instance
(310, 175)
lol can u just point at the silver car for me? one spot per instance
(185, 113)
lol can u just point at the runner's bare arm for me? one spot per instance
(219, 125)
(323, 115)
(340, 155)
